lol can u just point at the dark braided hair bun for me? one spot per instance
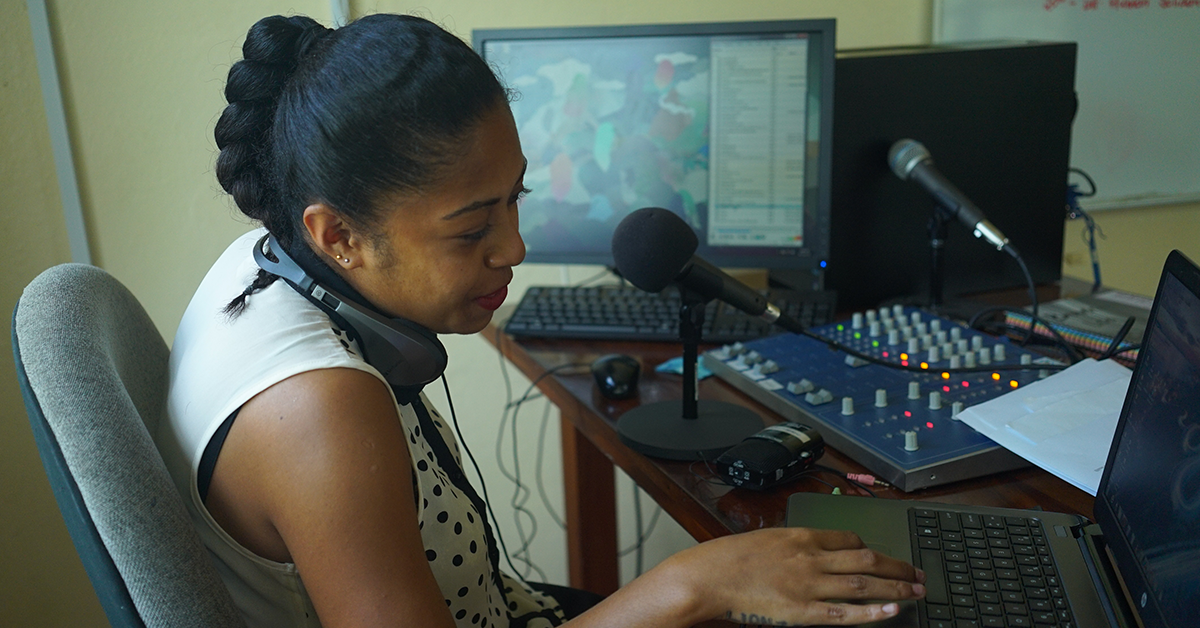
(270, 54)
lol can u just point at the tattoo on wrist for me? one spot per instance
(751, 619)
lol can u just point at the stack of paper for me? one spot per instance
(1063, 424)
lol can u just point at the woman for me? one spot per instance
(383, 158)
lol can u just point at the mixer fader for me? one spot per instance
(899, 424)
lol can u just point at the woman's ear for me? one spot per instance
(333, 236)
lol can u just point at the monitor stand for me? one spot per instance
(688, 428)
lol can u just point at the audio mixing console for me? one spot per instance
(897, 423)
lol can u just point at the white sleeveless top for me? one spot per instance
(219, 363)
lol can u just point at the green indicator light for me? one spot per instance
(875, 343)
(841, 328)
(857, 336)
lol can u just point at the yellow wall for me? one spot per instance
(142, 82)
(1134, 246)
(37, 562)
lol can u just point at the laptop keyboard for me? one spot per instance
(987, 571)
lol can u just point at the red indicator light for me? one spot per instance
(907, 414)
(966, 384)
(885, 354)
(929, 424)
(945, 389)
(904, 362)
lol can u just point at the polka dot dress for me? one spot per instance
(456, 540)
(453, 529)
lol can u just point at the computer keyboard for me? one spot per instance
(613, 312)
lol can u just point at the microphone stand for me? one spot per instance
(691, 329)
(690, 428)
(937, 262)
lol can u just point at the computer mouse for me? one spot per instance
(616, 375)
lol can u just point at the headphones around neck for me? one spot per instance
(406, 353)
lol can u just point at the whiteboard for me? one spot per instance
(1137, 132)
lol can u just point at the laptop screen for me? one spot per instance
(1149, 500)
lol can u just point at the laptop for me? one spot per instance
(1137, 565)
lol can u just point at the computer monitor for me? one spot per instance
(996, 118)
(726, 124)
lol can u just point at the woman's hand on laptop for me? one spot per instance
(798, 576)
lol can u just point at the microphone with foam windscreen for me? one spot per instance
(652, 247)
(910, 160)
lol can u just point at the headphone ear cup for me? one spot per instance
(405, 353)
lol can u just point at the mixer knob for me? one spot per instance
(875, 329)
(976, 343)
(819, 397)
(947, 349)
(939, 335)
(956, 408)
(921, 329)
(914, 390)
(854, 361)
(885, 314)
(955, 362)
(897, 311)
(914, 345)
(871, 316)
(1026, 358)
(961, 345)
(998, 353)
(969, 360)
(934, 355)
(955, 334)
(847, 406)
(915, 318)
(766, 368)
(880, 398)
(935, 325)
(910, 441)
(893, 337)
(800, 387)
(888, 323)
(985, 357)
(935, 400)
(856, 320)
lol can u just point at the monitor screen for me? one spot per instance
(728, 125)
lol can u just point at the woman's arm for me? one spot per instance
(776, 577)
(316, 471)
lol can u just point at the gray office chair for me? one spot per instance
(93, 372)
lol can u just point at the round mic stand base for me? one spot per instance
(659, 429)
(690, 428)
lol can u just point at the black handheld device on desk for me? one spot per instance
(773, 456)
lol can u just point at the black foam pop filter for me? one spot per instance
(651, 246)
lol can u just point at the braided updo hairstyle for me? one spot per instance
(344, 117)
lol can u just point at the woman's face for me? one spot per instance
(444, 256)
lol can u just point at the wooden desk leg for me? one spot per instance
(591, 514)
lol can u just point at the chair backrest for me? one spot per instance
(93, 372)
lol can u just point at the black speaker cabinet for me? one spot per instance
(996, 118)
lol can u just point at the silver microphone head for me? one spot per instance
(905, 155)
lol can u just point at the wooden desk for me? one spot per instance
(688, 491)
